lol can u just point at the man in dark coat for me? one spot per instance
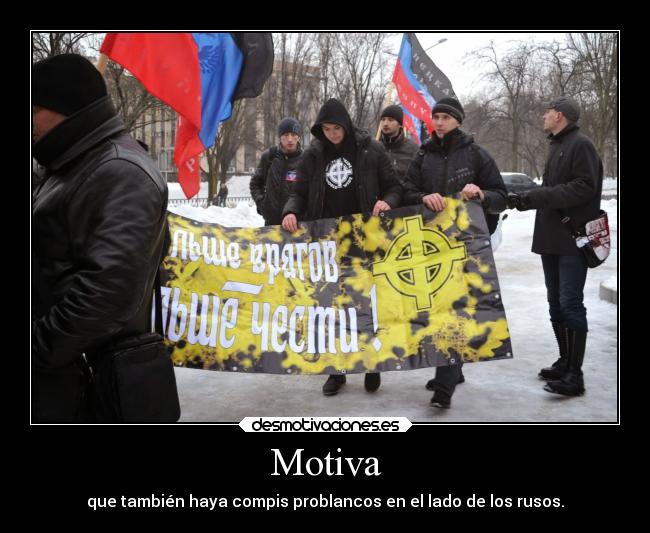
(450, 162)
(98, 227)
(573, 181)
(343, 172)
(276, 173)
(400, 149)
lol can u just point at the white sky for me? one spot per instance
(449, 55)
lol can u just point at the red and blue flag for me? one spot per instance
(419, 82)
(199, 75)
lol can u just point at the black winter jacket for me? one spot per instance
(98, 227)
(374, 179)
(446, 166)
(401, 152)
(573, 181)
(374, 176)
(269, 186)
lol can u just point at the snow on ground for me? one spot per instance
(239, 186)
(242, 216)
(498, 391)
(610, 183)
(176, 193)
(611, 283)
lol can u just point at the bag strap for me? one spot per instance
(165, 248)
(158, 322)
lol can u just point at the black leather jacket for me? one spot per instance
(98, 226)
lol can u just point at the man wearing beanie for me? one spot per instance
(401, 150)
(98, 228)
(276, 172)
(343, 172)
(451, 162)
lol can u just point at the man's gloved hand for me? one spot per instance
(521, 202)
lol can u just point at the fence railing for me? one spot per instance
(231, 201)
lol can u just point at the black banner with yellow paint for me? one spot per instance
(408, 289)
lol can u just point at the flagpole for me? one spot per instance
(387, 100)
(102, 63)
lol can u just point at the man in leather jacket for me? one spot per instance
(98, 228)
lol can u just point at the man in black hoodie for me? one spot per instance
(343, 172)
(450, 162)
(573, 181)
(99, 219)
(276, 173)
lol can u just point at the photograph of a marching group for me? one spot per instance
(233, 226)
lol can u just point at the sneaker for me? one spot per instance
(441, 400)
(372, 381)
(333, 384)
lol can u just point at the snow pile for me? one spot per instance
(242, 216)
(239, 186)
(610, 184)
(176, 193)
(611, 283)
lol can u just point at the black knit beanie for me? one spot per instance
(289, 125)
(451, 106)
(394, 111)
(66, 83)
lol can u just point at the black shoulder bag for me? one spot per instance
(134, 377)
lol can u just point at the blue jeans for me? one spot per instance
(565, 277)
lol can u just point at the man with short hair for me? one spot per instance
(399, 147)
(451, 162)
(573, 181)
(276, 172)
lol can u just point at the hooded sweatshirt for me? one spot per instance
(340, 193)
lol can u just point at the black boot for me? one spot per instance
(441, 399)
(372, 381)
(572, 383)
(333, 384)
(431, 384)
(559, 368)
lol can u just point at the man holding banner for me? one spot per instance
(343, 172)
(448, 163)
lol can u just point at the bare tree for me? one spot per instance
(597, 54)
(51, 44)
(230, 137)
(359, 69)
(511, 76)
(292, 89)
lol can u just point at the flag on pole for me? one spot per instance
(419, 83)
(199, 75)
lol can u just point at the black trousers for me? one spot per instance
(447, 378)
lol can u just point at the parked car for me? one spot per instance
(517, 182)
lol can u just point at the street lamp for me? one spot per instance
(436, 44)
